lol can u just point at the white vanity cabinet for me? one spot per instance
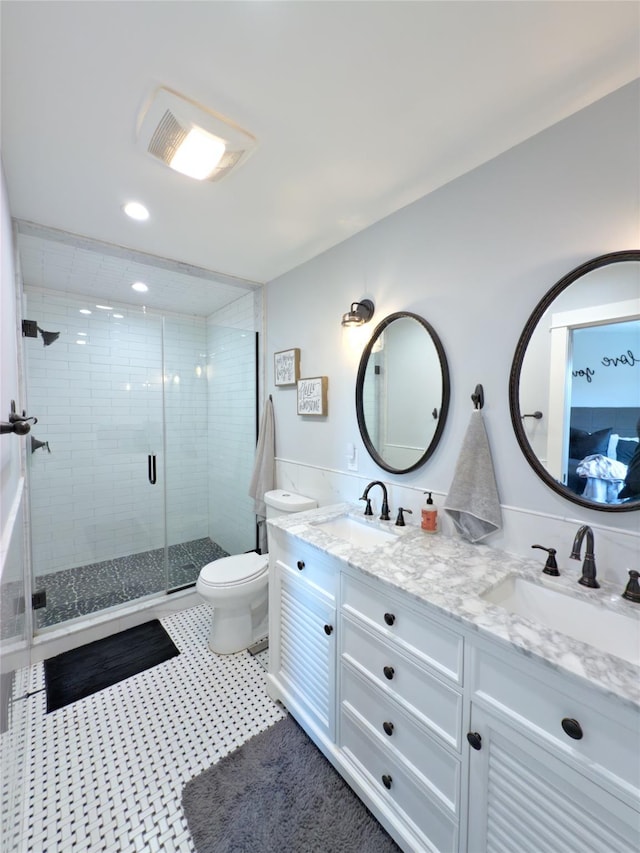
(551, 767)
(302, 635)
(456, 743)
(401, 710)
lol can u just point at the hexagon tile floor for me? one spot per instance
(105, 774)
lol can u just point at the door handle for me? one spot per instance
(151, 468)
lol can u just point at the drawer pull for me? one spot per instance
(389, 618)
(474, 740)
(300, 564)
(328, 629)
(386, 781)
(389, 672)
(388, 728)
(572, 728)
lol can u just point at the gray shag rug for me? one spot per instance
(277, 793)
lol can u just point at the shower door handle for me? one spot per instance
(151, 467)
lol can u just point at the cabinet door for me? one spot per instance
(523, 799)
(305, 651)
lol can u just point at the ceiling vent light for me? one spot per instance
(190, 138)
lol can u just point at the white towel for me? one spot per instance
(263, 478)
(473, 502)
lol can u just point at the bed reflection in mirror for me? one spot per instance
(578, 361)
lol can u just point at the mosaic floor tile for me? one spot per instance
(105, 774)
(87, 589)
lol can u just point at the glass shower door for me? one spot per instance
(210, 389)
(97, 516)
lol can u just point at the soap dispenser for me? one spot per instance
(429, 516)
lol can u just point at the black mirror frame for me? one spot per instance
(446, 392)
(516, 368)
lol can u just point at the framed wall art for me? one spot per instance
(286, 367)
(312, 395)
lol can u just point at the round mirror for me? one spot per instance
(402, 393)
(574, 390)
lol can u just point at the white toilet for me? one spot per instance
(236, 587)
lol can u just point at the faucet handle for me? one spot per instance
(367, 509)
(632, 590)
(400, 519)
(551, 566)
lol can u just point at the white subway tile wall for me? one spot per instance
(99, 404)
(231, 368)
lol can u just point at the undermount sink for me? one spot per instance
(606, 630)
(357, 533)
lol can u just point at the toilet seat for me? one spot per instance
(233, 571)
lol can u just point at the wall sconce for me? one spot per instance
(359, 313)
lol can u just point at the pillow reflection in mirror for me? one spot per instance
(631, 488)
(582, 443)
(625, 448)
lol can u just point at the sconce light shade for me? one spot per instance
(359, 313)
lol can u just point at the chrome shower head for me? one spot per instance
(48, 337)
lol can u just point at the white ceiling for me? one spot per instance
(359, 109)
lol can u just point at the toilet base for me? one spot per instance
(231, 630)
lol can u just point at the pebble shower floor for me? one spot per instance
(105, 774)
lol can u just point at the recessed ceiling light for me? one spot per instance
(81, 342)
(119, 316)
(85, 311)
(82, 334)
(140, 286)
(105, 307)
(135, 210)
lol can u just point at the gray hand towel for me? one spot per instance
(473, 502)
(263, 478)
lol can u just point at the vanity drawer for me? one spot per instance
(395, 618)
(306, 561)
(398, 730)
(538, 703)
(438, 706)
(396, 786)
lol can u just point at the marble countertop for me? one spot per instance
(451, 575)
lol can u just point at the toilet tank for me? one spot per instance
(281, 501)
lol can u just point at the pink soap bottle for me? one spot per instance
(429, 516)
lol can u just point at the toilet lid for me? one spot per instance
(233, 570)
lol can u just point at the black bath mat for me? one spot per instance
(87, 669)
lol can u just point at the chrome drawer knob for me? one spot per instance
(389, 672)
(386, 781)
(572, 728)
(388, 728)
(389, 618)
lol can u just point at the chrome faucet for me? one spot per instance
(589, 565)
(384, 511)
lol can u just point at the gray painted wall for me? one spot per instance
(473, 258)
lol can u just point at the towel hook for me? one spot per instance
(478, 397)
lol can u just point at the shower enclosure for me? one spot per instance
(142, 454)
